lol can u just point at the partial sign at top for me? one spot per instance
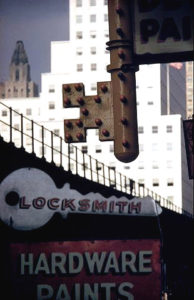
(163, 31)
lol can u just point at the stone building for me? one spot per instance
(19, 84)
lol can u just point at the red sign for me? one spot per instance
(85, 270)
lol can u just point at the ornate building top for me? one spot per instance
(19, 55)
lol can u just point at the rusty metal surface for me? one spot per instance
(95, 112)
(123, 81)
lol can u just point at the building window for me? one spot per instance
(93, 67)
(84, 166)
(141, 182)
(140, 129)
(170, 198)
(150, 102)
(79, 35)
(98, 149)
(93, 87)
(79, 19)
(154, 129)
(4, 113)
(93, 50)
(84, 149)
(141, 165)
(106, 35)
(92, 2)
(169, 146)
(111, 149)
(105, 18)
(56, 132)
(71, 149)
(79, 51)
(168, 128)
(141, 147)
(16, 112)
(155, 164)
(51, 89)
(170, 182)
(78, 3)
(16, 126)
(79, 67)
(105, 2)
(28, 111)
(92, 18)
(155, 182)
(126, 167)
(17, 75)
(93, 34)
(51, 105)
(169, 164)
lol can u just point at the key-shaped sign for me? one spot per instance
(29, 198)
(113, 109)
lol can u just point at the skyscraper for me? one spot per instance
(19, 84)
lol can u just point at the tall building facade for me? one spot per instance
(189, 88)
(19, 84)
(161, 164)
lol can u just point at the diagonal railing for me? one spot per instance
(36, 139)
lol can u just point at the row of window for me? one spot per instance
(93, 67)
(93, 35)
(156, 182)
(79, 18)
(169, 128)
(79, 51)
(79, 3)
(155, 165)
(4, 113)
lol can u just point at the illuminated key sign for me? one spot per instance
(163, 27)
(85, 270)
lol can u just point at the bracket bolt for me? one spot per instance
(123, 99)
(85, 112)
(121, 76)
(119, 10)
(125, 143)
(97, 99)
(98, 122)
(78, 87)
(121, 54)
(104, 88)
(67, 88)
(79, 136)
(79, 123)
(124, 121)
(68, 137)
(68, 124)
(80, 100)
(120, 32)
(105, 132)
(67, 102)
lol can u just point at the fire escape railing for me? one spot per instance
(44, 143)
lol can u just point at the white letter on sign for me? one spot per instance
(126, 293)
(44, 292)
(26, 263)
(75, 258)
(145, 261)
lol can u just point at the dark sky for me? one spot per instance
(36, 23)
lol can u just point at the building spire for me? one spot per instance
(19, 55)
